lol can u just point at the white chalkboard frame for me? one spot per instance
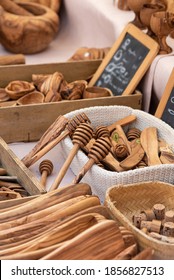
(146, 41)
(165, 97)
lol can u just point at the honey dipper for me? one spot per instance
(45, 168)
(71, 127)
(81, 137)
(98, 151)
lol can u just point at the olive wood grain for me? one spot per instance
(53, 131)
(12, 59)
(40, 202)
(91, 244)
(149, 142)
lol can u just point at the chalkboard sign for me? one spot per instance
(165, 109)
(126, 62)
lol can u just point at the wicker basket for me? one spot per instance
(100, 179)
(126, 200)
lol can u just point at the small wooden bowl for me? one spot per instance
(33, 97)
(124, 201)
(95, 92)
(28, 34)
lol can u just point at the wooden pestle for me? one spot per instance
(98, 151)
(45, 168)
(81, 137)
(12, 59)
(14, 8)
(72, 125)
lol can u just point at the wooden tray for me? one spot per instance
(124, 201)
(15, 167)
(29, 122)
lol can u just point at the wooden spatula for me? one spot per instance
(149, 142)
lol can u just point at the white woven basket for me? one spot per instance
(100, 179)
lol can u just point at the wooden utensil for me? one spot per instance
(98, 151)
(71, 127)
(81, 137)
(101, 241)
(53, 131)
(136, 155)
(149, 142)
(45, 168)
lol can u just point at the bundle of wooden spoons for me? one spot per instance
(68, 223)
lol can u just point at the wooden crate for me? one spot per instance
(15, 167)
(28, 123)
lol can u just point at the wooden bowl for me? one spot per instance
(124, 201)
(95, 92)
(33, 97)
(28, 34)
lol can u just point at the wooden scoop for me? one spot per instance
(149, 142)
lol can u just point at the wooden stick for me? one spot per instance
(122, 122)
(81, 137)
(12, 59)
(14, 8)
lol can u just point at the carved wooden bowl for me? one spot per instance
(146, 13)
(162, 24)
(28, 34)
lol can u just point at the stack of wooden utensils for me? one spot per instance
(69, 223)
(109, 146)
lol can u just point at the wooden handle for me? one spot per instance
(122, 122)
(149, 143)
(64, 168)
(12, 59)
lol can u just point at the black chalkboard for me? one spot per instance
(126, 62)
(123, 65)
(168, 113)
(165, 109)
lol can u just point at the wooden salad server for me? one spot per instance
(149, 142)
(70, 128)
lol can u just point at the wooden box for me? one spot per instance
(25, 177)
(28, 123)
